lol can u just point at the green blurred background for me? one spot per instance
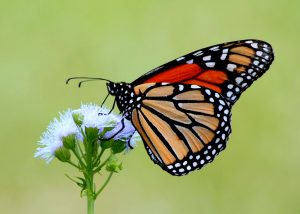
(44, 42)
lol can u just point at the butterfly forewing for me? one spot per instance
(183, 126)
(227, 68)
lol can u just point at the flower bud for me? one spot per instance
(62, 154)
(78, 118)
(69, 141)
(114, 165)
(92, 134)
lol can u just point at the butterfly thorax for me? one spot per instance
(126, 99)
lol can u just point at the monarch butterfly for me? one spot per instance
(182, 109)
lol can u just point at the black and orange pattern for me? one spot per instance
(182, 109)
(183, 129)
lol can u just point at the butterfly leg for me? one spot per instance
(110, 111)
(128, 145)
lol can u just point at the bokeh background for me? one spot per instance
(44, 42)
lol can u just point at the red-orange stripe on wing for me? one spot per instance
(177, 74)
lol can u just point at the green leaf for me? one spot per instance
(82, 184)
(118, 146)
(105, 144)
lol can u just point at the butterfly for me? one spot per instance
(182, 109)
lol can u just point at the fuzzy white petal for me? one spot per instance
(51, 139)
(93, 118)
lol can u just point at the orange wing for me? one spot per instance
(227, 68)
(183, 126)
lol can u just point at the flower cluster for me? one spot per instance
(75, 123)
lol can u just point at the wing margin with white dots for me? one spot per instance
(183, 126)
(244, 62)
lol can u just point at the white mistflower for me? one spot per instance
(92, 118)
(51, 139)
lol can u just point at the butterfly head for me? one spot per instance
(124, 96)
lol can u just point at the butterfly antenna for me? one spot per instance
(85, 79)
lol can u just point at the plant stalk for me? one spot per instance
(90, 203)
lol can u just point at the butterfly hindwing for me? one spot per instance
(183, 126)
(227, 68)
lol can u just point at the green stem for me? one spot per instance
(90, 203)
(73, 164)
(90, 178)
(103, 164)
(80, 150)
(96, 162)
(79, 158)
(104, 185)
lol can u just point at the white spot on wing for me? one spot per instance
(177, 164)
(266, 49)
(254, 45)
(223, 57)
(259, 53)
(256, 62)
(195, 86)
(170, 167)
(181, 87)
(207, 58)
(180, 58)
(207, 91)
(222, 102)
(198, 53)
(210, 64)
(229, 94)
(231, 67)
(191, 61)
(238, 80)
(230, 86)
(215, 48)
